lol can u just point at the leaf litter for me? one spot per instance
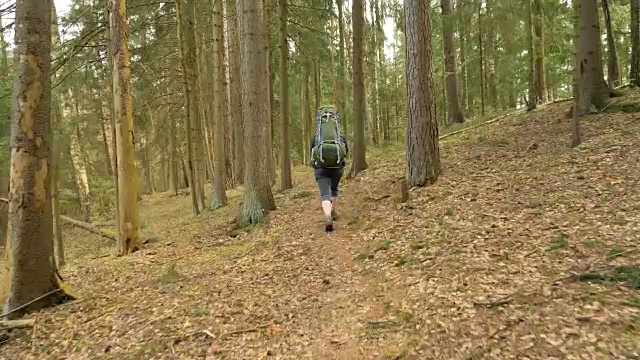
(492, 261)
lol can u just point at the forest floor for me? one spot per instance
(525, 248)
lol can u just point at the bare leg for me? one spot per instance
(326, 207)
(334, 213)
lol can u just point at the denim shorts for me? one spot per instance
(328, 181)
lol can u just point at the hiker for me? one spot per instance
(329, 150)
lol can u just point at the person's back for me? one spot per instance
(329, 150)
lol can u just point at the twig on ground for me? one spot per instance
(29, 303)
(495, 303)
(379, 198)
(612, 256)
(245, 331)
(531, 252)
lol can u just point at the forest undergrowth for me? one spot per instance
(524, 248)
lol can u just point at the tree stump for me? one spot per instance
(403, 192)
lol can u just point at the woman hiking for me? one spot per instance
(329, 150)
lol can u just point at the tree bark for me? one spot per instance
(593, 91)
(423, 154)
(56, 148)
(359, 158)
(195, 206)
(539, 44)
(129, 216)
(218, 192)
(491, 57)
(635, 43)
(285, 152)
(29, 271)
(466, 97)
(531, 101)
(258, 199)
(613, 71)
(342, 102)
(455, 111)
(235, 100)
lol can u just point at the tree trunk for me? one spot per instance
(423, 154)
(316, 83)
(482, 63)
(635, 43)
(77, 158)
(491, 57)
(359, 158)
(455, 111)
(29, 271)
(593, 91)
(613, 71)
(462, 16)
(195, 206)
(234, 83)
(271, 160)
(218, 191)
(373, 84)
(285, 152)
(191, 55)
(129, 237)
(56, 148)
(342, 102)
(531, 101)
(258, 198)
(540, 81)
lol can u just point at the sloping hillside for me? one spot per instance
(525, 248)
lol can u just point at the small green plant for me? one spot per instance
(387, 306)
(538, 213)
(560, 242)
(572, 161)
(365, 256)
(635, 301)
(615, 251)
(401, 262)
(199, 311)
(385, 245)
(450, 212)
(302, 194)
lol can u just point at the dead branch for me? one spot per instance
(17, 324)
(495, 303)
(87, 227)
(245, 331)
(29, 303)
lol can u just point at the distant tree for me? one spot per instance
(285, 151)
(635, 43)
(613, 71)
(359, 159)
(218, 192)
(423, 154)
(593, 91)
(455, 112)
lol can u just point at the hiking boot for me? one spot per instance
(328, 224)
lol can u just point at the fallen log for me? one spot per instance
(16, 324)
(87, 227)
